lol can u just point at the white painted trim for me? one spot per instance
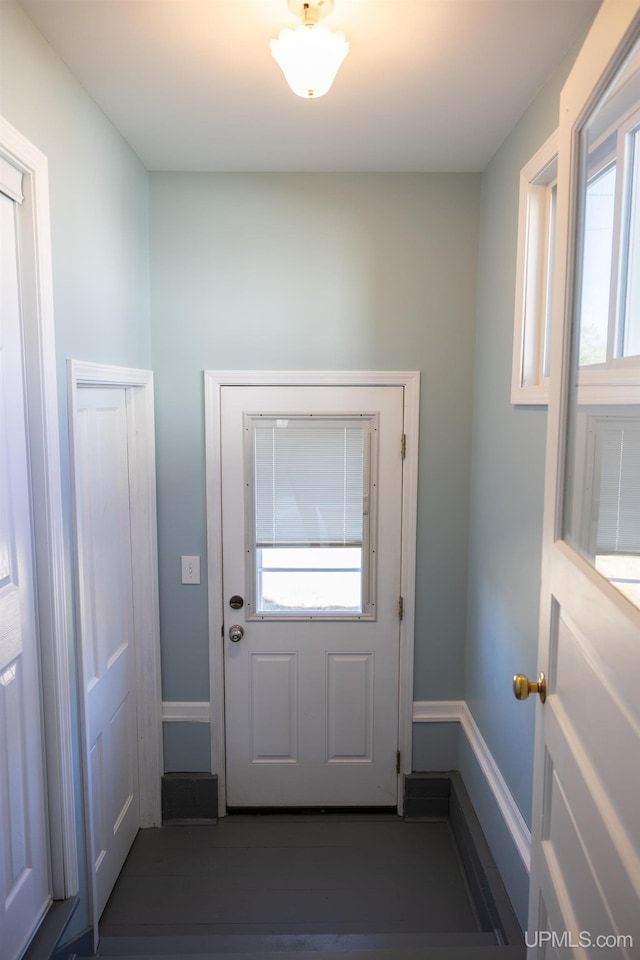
(213, 465)
(214, 380)
(144, 548)
(532, 180)
(411, 383)
(44, 452)
(186, 711)
(515, 822)
(438, 711)
(85, 373)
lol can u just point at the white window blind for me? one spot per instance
(310, 482)
(618, 528)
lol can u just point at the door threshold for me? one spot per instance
(312, 811)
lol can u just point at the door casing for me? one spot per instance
(214, 380)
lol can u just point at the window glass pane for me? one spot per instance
(548, 294)
(623, 572)
(310, 580)
(311, 496)
(596, 266)
(631, 321)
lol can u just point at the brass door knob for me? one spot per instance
(522, 686)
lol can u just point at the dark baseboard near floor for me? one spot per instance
(51, 930)
(443, 795)
(427, 795)
(189, 798)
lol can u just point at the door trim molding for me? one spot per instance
(214, 380)
(144, 548)
(186, 711)
(44, 451)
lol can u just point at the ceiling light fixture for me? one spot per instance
(310, 55)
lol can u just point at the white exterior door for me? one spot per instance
(585, 877)
(311, 516)
(102, 504)
(24, 859)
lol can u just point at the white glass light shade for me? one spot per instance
(309, 58)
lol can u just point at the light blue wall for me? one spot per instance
(435, 745)
(505, 531)
(350, 271)
(99, 233)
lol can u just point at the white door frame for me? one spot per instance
(144, 549)
(214, 380)
(43, 438)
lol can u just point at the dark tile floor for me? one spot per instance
(292, 875)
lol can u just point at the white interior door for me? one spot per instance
(311, 515)
(585, 878)
(24, 860)
(102, 503)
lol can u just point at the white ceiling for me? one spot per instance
(428, 84)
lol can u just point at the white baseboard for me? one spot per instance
(438, 711)
(176, 711)
(424, 711)
(448, 711)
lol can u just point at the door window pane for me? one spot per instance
(311, 579)
(602, 498)
(631, 263)
(310, 500)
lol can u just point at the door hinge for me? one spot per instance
(401, 607)
(398, 765)
(403, 445)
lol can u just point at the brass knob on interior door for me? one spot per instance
(522, 686)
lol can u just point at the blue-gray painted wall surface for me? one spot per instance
(99, 234)
(320, 271)
(505, 533)
(435, 745)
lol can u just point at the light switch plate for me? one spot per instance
(190, 569)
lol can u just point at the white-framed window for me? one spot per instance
(311, 483)
(534, 275)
